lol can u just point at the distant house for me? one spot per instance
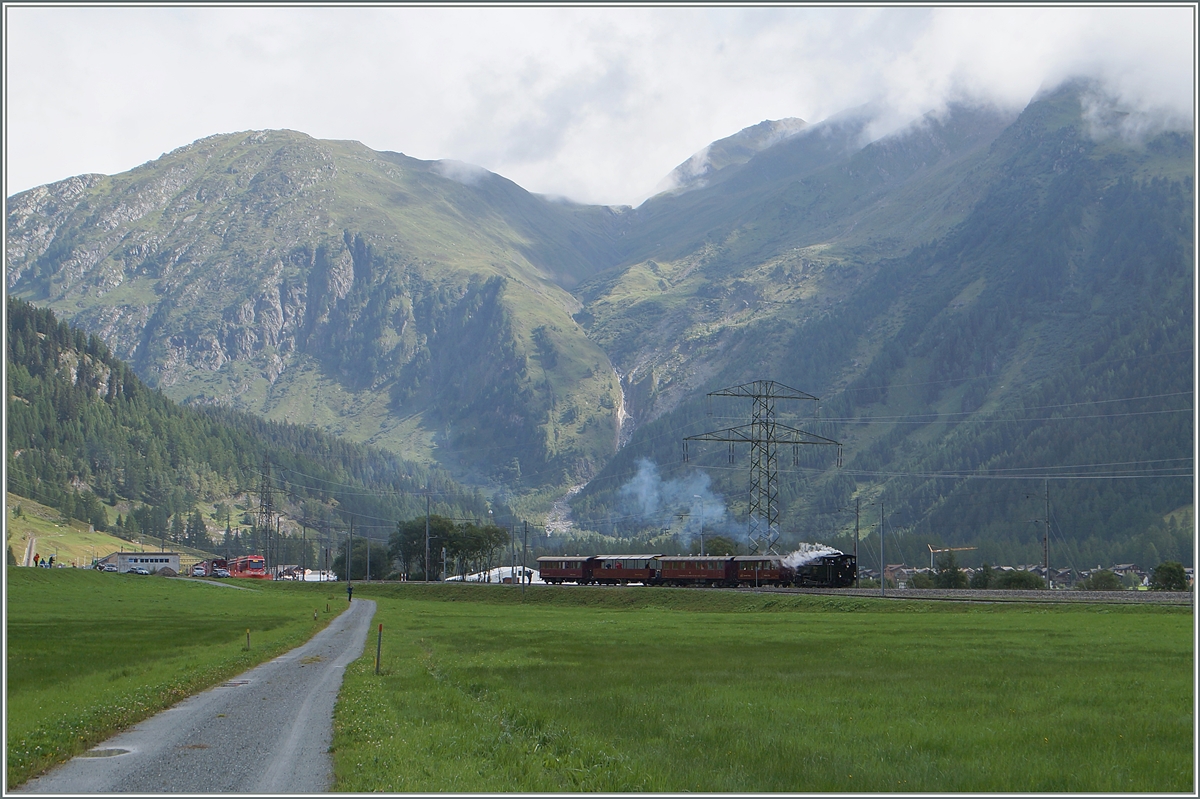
(150, 561)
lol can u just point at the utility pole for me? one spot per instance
(426, 532)
(763, 434)
(882, 562)
(1045, 535)
(857, 500)
(1046, 539)
(524, 550)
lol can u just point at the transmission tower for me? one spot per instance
(266, 508)
(764, 435)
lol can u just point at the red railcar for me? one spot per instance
(756, 570)
(249, 566)
(625, 569)
(698, 570)
(559, 569)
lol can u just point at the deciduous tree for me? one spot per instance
(1168, 576)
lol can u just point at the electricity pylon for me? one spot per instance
(266, 508)
(764, 434)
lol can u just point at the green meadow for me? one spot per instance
(674, 690)
(90, 653)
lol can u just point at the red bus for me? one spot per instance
(249, 566)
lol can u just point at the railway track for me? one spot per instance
(974, 595)
(1179, 598)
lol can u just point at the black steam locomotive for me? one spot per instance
(830, 570)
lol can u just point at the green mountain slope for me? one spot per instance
(981, 294)
(383, 298)
(1046, 322)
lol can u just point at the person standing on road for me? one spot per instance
(349, 591)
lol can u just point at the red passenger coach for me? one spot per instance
(624, 569)
(756, 570)
(249, 566)
(559, 569)
(698, 570)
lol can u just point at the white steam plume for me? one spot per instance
(807, 553)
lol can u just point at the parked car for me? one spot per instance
(137, 570)
(221, 573)
(198, 571)
(110, 567)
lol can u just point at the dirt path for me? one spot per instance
(267, 731)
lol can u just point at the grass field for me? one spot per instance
(675, 690)
(90, 653)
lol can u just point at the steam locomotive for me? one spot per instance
(830, 570)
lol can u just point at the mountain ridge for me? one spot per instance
(524, 341)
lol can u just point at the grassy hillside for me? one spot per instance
(74, 542)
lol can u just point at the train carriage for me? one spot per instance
(697, 570)
(559, 569)
(756, 570)
(253, 566)
(625, 569)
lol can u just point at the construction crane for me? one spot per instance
(932, 551)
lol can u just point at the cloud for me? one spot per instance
(461, 172)
(596, 104)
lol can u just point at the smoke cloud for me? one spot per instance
(687, 501)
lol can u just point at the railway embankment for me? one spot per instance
(981, 595)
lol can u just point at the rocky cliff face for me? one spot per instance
(229, 264)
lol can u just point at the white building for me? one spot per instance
(150, 561)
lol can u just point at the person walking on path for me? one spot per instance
(349, 591)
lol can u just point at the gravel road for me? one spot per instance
(267, 731)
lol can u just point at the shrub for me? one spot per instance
(983, 578)
(1019, 581)
(920, 580)
(1103, 580)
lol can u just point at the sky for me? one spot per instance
(594, 104)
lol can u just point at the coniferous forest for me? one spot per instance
(85, 434)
